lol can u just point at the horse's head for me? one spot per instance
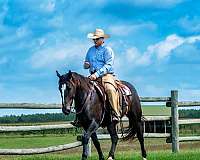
(67, 90)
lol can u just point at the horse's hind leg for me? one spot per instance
(97, 145)
(140, 137)
(114, 138)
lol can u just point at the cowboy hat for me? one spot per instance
(99, 33)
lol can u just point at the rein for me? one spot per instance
(81, 110)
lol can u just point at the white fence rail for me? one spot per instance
(39, 150)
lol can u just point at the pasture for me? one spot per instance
(185, 155)
(157, 149)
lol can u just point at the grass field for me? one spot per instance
(167, 155)
(157, 148)
(31, 141)
(156, 110)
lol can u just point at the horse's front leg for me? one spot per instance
(86, 136)
(114, 138)
(85, 140)
(97, 145)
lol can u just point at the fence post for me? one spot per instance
(175, 125)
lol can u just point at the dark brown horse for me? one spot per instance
(92, 113)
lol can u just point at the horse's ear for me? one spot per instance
(70, 74)
(58, 74)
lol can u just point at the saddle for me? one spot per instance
(123, 90)
(124, 93)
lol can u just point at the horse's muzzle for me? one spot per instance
(66, 110)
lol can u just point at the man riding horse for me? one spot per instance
(91, 107)
(99, 60)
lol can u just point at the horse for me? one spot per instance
(92, 111)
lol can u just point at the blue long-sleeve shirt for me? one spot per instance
(101, 60)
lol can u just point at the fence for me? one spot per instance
(171, 101)
(175, 121)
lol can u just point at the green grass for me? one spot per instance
(33, 124)
(163, 155)
(156, 110)
(35, 141)
(125, 150)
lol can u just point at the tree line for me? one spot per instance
(192, 113)
(56, 117)
(37, 118)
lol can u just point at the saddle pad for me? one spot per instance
(126, 90)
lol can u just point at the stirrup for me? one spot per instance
(115, 118)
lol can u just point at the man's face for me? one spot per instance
(98, 41)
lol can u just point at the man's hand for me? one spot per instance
(92, 77)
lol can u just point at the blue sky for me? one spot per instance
(156, 45)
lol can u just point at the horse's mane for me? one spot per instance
(80, 77)
(84, 81)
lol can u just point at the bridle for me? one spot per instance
(73, 97)
(61, 93)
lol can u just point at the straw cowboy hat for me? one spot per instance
(97, 34)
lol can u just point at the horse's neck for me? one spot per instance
(81, 95)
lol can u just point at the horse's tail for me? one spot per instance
(134, 114)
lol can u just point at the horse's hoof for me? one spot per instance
(110, 158)
(83, 158)
(101, 158)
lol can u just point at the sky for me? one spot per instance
(156, 45)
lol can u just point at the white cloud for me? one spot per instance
(42, 41)
(192, 39)
(190, 24)
(124, 30)
(155, 53)
(164, 48)
(67, 53)
(57, 21)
